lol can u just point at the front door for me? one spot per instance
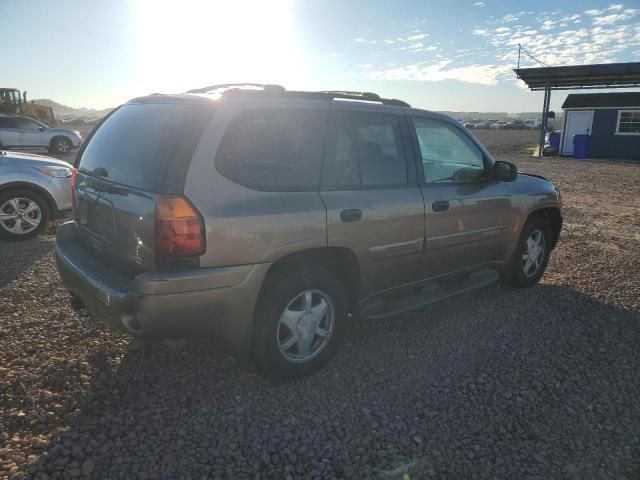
(467, 215)
(578, 123)
(30, 133)
(374, 205)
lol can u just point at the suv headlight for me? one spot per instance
(57, 172)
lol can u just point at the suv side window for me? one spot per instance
(274, 149)
(26, 124)
(7, 122)
(365, 149)
(448, 155)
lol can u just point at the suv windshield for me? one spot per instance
(141, 143)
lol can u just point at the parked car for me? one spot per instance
(469, 125)
(266, 217)
(532, 123)
(17, 131)
(33, 190)
(515, 125)
(499, 124)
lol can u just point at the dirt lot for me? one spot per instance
(502, 383)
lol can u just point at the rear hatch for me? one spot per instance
(140, 152)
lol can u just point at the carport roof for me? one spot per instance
(602, 100)
(603, 75)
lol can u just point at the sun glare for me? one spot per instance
(193, 43)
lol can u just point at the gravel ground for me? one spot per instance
(502, 383)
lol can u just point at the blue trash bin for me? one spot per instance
(581, 146)
(554, 140)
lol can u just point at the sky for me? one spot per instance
(454, 55)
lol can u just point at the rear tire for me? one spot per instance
(299, 322)
(23, 214)
(531, 255)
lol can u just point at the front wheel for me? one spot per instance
(60, 145)
(23, 214)
(298, 322)
(531, 255)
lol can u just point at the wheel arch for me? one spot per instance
(51, 203)
(340, 261)
(553, 217)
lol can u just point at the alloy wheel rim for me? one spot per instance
(63, 146)
(305, 326)
(20, 215)
(533, 254)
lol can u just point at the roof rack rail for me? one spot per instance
(278, 90)
(267, 87)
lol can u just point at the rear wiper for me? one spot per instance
(98, 172)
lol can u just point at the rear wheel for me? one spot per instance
(23, 214)
(531, 255)
(298, 323)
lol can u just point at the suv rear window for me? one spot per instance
(141, 144)
(274, 149)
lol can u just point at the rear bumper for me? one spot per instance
(206, 301)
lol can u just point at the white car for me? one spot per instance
(532, 123)
(499, 124)
(17, 131)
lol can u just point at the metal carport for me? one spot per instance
(603, 75)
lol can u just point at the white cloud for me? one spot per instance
(359, 40)
(478, 4)
(432, 48)
(614, 7)
(510, 18)
(481, 74)
(419, 36)
(615, 17)
(594, 12)
(481, 31)
(547, 24)
(389, 41)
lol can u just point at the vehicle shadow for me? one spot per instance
(18, 256)
(500, 383)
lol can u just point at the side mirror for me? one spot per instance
(505, 171)
(42, 129)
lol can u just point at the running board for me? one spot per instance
(430, 293)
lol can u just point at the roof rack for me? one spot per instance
(266, 87)
(250, 89)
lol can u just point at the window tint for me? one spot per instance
(448, 155)
(27, 124)
(274, 149)
(142, 143)
(7, 122)
(365, 149)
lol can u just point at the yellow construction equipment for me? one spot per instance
(12, 102)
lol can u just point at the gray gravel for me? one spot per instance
(540, 383)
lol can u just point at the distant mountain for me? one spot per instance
(64, 113)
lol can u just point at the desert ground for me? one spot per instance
(501, 383)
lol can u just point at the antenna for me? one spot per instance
(528, 54)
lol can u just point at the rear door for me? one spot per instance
(467, 214)
(9, 133)
(374, 205)
(140, 151)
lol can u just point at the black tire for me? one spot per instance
(278, 293)
(24, 193)
(60, 145)
(517, 275)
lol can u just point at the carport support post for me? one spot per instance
(545, 119)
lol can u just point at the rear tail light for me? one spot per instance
(179, 229)
(72, 186)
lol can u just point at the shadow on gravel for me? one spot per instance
(18, 256)
(503, 383)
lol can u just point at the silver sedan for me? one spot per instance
(33, 190)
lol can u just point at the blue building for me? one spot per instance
(611, 119)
